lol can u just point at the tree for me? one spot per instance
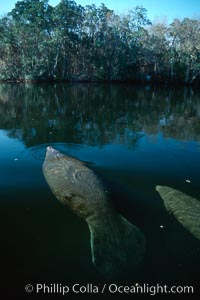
(30, 23)
(186, 42)
(71, 42)
(156, 52)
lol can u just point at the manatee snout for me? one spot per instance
(49, 148)
(51, 152)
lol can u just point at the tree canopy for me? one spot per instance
(72, 42)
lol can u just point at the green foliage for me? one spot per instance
(41, 42)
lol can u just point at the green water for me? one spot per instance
(134, 138)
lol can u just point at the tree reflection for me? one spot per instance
(96, 114)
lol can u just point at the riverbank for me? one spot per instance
(166, 83)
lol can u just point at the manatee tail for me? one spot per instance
(117, 246)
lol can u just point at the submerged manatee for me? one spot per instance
(117, 246)
(184, 208)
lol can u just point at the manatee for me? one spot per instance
(184, 208)
(117, 246)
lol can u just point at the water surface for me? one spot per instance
(134, 138)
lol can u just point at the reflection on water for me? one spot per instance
(97, 115)
(133, 138)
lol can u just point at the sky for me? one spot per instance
(157, 9)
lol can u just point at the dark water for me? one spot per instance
(134, 138)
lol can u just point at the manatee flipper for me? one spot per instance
(117, 247)
(183, 207)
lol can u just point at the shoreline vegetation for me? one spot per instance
(113, 82)
(72, 43)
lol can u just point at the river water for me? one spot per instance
(133, 138)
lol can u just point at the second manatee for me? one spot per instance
(185, 209)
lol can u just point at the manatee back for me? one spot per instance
(184, 208)
(75, 185)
